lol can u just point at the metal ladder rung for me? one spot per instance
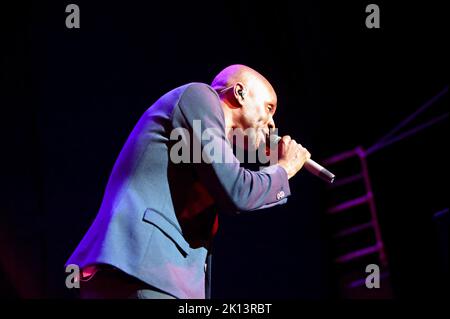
(340, 157)
(358, 253)
(352, 230)
(349, 204)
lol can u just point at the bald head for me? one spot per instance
(239, 73)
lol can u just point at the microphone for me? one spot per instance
(310, 165)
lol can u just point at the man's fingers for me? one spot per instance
(305, 152)
(286, 139)
(308, 155)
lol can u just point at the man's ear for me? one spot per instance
(239, 93)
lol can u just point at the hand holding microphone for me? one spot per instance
(293, 156)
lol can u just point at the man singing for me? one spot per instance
(152, 234)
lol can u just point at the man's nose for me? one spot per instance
(271, 124)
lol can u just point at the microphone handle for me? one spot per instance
(320, 171)
(310, 165)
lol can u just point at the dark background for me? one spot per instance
(70, 97)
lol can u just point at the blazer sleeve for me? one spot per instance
(233, 187)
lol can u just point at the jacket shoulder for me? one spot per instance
(198, 100)
(197, 89)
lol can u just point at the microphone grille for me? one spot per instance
(274, 139)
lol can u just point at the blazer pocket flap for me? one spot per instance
(167, 227)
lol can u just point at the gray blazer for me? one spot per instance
(157, 218)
